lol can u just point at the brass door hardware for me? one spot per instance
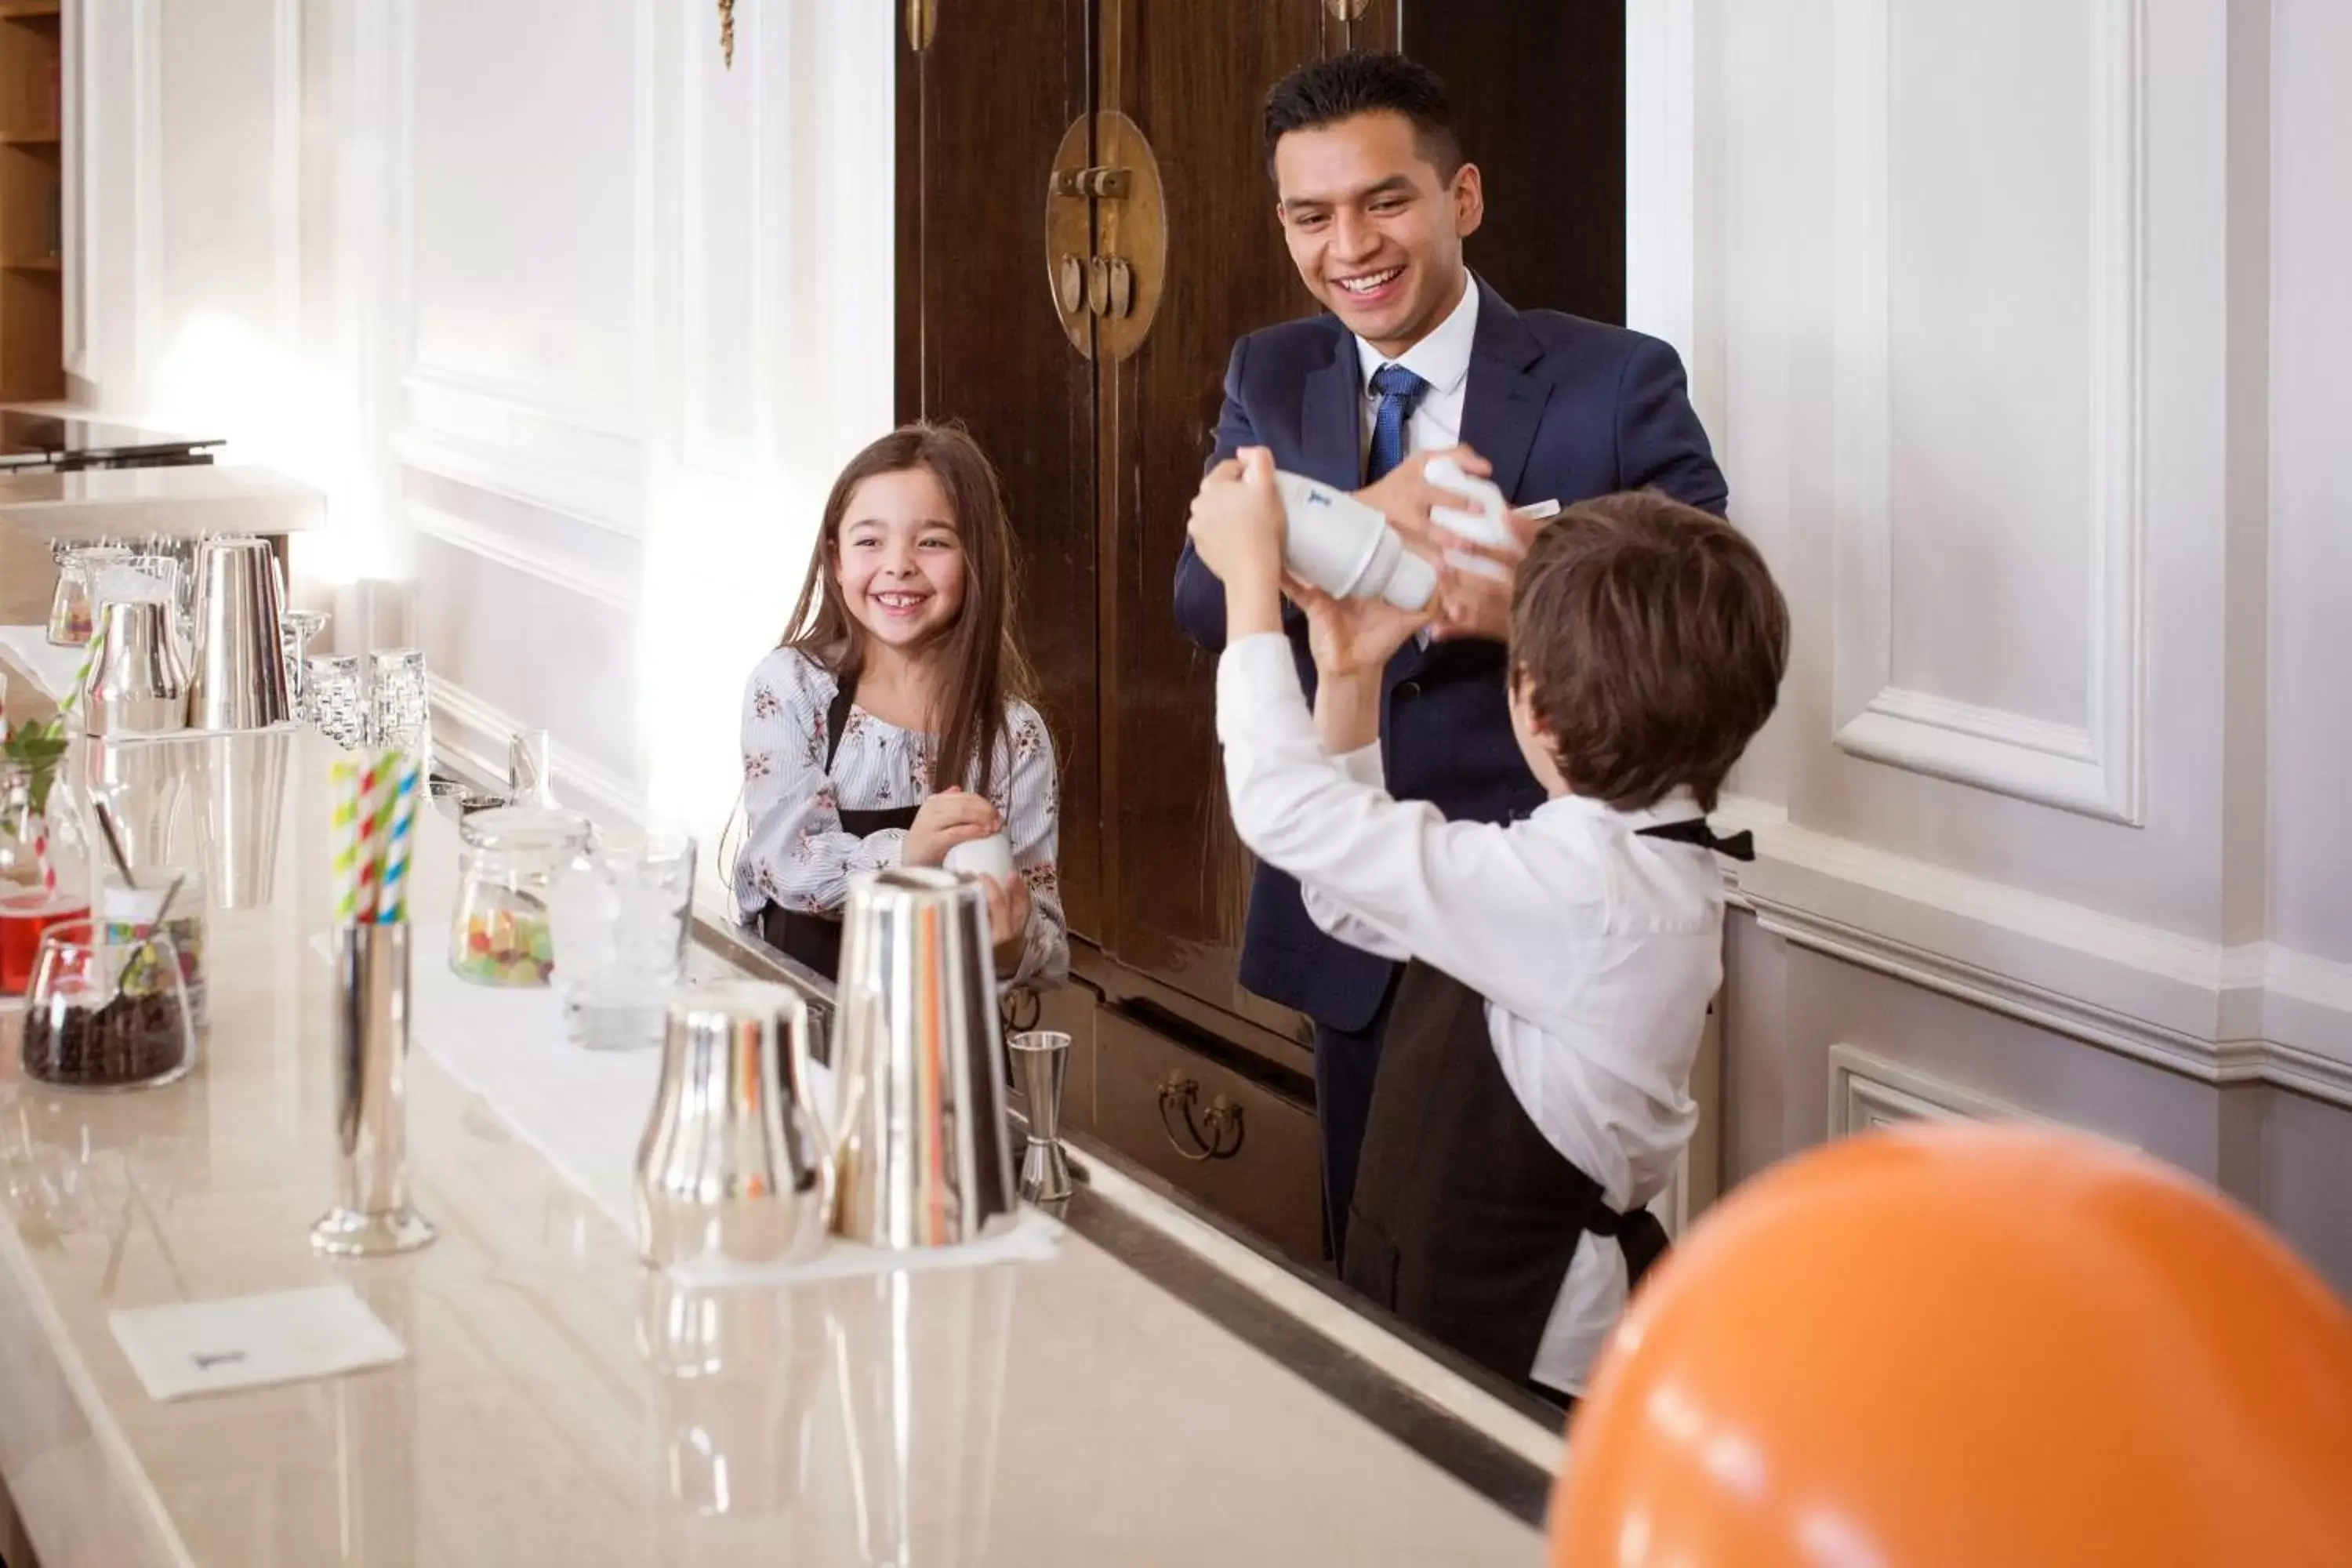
(1105, 235)
(922, 24)
(1087, 182)
(1218, 1133)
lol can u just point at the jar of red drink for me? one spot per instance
(44, 862)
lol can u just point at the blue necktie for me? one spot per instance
(1398, 390)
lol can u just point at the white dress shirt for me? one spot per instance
(1441, 359)
(1597, 951)
(795, 853)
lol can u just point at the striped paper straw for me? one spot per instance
(374, 800)
(400, 841)
(343, 837)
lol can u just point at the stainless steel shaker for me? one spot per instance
(924, 1154)
(138, 684)
(731, 1169)
(239, 682)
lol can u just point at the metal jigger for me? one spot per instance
(372, 1215)
(1042, 1057)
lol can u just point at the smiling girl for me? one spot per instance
(890, 725)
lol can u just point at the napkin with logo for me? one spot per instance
(249, 1342)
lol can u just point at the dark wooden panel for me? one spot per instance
(1193, 76)
(1266, 1167)
(1538, 95)
(980, 115)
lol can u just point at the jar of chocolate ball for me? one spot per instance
(103, 1013)
(498, 932)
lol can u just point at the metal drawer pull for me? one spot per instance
(1219, 1123)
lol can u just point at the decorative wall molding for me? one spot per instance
(620, 591)
(475, 733)
(286, 170)
(702, 445)
(535, 443)
(1868, 1091)
(2251, 1012)
(488, 434)
(2098, 768)
(1661, 176)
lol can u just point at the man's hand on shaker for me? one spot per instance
(1472, 603)
(1404, 495)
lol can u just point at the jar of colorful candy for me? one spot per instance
(498, 935)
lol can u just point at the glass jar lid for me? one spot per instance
(524, 829)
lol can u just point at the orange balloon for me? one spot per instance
(1968, 1345)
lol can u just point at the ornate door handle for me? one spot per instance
(1218, 1133)
(1105, 235)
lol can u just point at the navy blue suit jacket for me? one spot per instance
(1566, 409)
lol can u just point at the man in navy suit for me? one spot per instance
(1414, 358)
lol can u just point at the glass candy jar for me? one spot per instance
(499, 934)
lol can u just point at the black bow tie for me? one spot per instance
(1739, 845)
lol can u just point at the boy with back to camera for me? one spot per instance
(1534, 1092)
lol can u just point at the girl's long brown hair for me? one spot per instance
(980, 668)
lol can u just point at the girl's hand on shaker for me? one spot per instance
(950, 818)
(1008, 919)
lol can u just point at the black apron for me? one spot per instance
(1465, 1218)
(816, 940)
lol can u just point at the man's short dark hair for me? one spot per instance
(1650, 639)
(1326, 92)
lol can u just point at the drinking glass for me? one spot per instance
(332, 686)
(397, 712)
(618, 915)
(295, 630)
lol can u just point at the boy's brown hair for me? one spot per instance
(1650, 639)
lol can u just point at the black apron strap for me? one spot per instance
(1640, 1234)
(837, 717)
(816, 940)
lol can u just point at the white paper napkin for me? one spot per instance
(584, 1112)
(248, 1342)
(53, 667)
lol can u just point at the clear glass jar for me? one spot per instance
(73, 608)
(107, 1015)
(499, 934)
(128, 909)
(44, 865)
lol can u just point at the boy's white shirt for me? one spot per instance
(1597, 951)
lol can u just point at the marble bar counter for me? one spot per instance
(1155, 1391)
(181, 502)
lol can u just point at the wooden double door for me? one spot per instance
(1084, 226)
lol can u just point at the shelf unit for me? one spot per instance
(32, 217)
